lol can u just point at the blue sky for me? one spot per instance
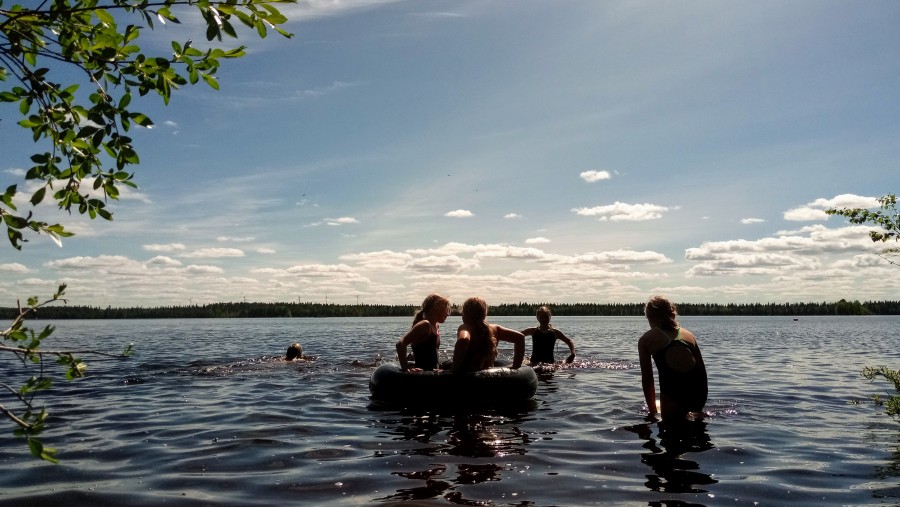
(571, 151)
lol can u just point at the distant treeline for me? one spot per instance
(287, 310)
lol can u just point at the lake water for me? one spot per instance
(202, 415)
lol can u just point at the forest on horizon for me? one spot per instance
(299, 309)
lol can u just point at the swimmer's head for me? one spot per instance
(661, 311)
(434, 305)
(543, 315)
(474, 310)
(295, 351)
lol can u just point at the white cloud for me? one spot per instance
(245, 239)
(106, 263)
(460, 213)
(17, 172)
(265, 250)
(170, 247)
(620, 211)
(211, 253)
(341, 221)
(804, 214)
(594, 176)
(161, 260)
(816, 209)
(512, 215)
(750, 221)
(203, 270)
(14, 267)
(442, 264)
(384, 260)
(789, 252)
(536, 241)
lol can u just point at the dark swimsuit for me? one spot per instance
(426, 352)
(689, 388)
(542, 343)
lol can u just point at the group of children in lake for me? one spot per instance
(674, 350)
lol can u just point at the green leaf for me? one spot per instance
(104, 16)
(211, 81)
(38, 196)
(141, 119)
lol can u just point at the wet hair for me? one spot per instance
(474, 311)
(544, 310)
(295, 351)
(430, 302)
(662, 311)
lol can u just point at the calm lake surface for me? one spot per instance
(203, 414)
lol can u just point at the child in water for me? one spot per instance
(424, 336)
(682, 374)
(476, 340)
(543, 339)
(295, 351)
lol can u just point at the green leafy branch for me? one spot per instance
(25, 344)
(887, 218)
(88, 139)
(892, 404)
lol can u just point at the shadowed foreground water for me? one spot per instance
(204, 414)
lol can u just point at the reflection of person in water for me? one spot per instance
(543, 339)
(682, 374)
(673, 472)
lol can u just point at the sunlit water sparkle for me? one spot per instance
(205, 414)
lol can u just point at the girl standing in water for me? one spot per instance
(682, 374)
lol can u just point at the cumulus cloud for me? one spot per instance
(750, 221)
(384, 260)
(789, 251)
(264, 250)
(15, 171)
(512, 215)
(536, 241)
(162, 260)
(620, 211)
(805, 214)
(245, 239)
(14, 267)
(619, 257)
(341, 221)
(212, 253)
(816, 209)
(442, 264)
(105, 263)
(594, 176)
(170, 247)
(204, 270)
(334, 222)
(460, 213)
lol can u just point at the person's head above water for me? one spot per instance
(295, 351)
(474, 311)
(543, 315)
(661, 312)
(435, 307)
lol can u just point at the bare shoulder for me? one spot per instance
(688, 336)
(651, 341)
